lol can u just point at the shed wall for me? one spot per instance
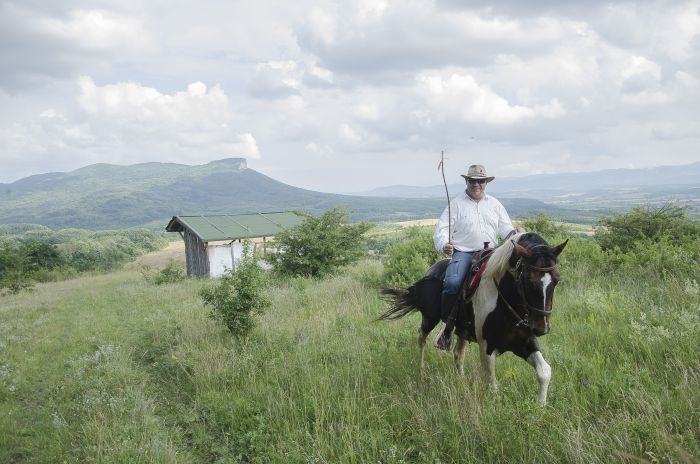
(195, 255)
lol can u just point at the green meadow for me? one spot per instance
(113, 368)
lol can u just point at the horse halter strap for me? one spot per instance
(518, 274)
(520, 268)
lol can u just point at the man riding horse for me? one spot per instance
(472, 221)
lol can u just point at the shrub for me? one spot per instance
(21, 265)
(407, 260)
(15, 281)
(657, 257)
(668, 222)
(13, 270)
(42, 256)
(238, 295)
(172, 273)
(319, 245)
(545, 226)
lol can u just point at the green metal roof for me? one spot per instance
(232, 227)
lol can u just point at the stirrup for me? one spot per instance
(443, 340)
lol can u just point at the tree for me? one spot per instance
(319, 245)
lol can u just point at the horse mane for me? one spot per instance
(500, 259)
(499, 262)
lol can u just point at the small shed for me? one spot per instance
(213, 244)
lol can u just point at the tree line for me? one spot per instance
(31, 253)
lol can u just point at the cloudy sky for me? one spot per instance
(344, 96)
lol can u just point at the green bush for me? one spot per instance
(545, 226)
(172, 273)
(15, 281)
(657, 257)
(319, 245)
(653, 242)
(42, 256)
(238, 295)
(669, 223)
(21, 265)
(13, 273)
(407, 260)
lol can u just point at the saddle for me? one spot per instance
(426, 293)
(479, 260)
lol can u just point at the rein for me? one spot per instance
(520, 320)
(518, 273)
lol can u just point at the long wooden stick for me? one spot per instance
(449, 212)
(443, 340)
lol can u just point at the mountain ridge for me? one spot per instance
(105, 196)
(686, 175)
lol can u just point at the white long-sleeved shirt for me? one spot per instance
(473, 223)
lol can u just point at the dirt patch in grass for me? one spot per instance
(175, 251)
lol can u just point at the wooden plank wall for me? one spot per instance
(195, 256)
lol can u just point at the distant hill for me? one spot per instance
(670, 176)
(594, 193)
(104, 196)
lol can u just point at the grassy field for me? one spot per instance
(111, 368)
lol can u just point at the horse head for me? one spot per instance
(534, 267)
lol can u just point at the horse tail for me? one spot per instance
(402, 302)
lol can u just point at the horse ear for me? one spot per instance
(559, 248)
(521, 250)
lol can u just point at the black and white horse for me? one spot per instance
(510, 307)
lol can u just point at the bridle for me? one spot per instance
(519, 274)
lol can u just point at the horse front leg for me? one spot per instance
(459, 351)
(544, 375)
(488, 364)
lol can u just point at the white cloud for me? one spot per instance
(646, 97)
(394, 37)
(370, 10)
(41, 43)
(194, 123)
(246, 146)
(323, 25)
(687, 80)
(321, 74)
(460, 95)
(96, 30)
(323, 151)
(637, 65)
(133, 103)
(349, 134)
(121, 122)
(366, 111)
(678, 32)
(280, 79)
(276, 79)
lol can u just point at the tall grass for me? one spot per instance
(112, 368)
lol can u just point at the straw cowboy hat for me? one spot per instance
(477, 171)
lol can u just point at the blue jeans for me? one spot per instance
(456, 271)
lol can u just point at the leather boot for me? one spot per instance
(443, 341)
